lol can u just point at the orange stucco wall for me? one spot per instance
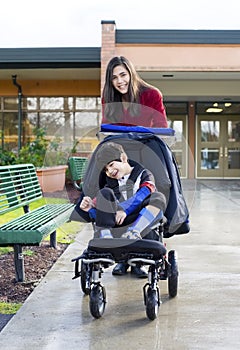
(182, 58)
(53, 88)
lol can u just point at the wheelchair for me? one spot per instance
(101, 253)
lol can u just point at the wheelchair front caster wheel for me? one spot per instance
(152, 303)
(97, 300)
(85, 279)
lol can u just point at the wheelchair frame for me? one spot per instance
(162, 265)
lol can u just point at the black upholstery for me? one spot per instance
(123, 248)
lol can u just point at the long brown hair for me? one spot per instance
(111, 95)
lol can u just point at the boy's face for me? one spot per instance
(117, 169)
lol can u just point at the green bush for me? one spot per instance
(7, 157)
(34, 151)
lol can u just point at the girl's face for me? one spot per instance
(121, 79)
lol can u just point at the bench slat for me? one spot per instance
(31, 230)
(36, 218)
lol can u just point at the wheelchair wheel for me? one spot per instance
(85, 280)
(97, 300)
(173, 277)
(152, 303)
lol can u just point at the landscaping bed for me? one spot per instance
(38, 261)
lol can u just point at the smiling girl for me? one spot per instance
(129, 100)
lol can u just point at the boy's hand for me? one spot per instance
(86, 203)
(120, 217)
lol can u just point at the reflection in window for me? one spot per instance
(51, 102)
(86, 123)
(52, 121)
(234, 158)
(10, 103)
(209, 158)
(178, 157)
(31, 118)
(86, 128)
(68, 103)
(87, 103)
(233, 131)
(177, 125)
(30, 121)
(9, 133)
(31, 103)
(210, 131)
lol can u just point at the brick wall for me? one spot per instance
(108, 49)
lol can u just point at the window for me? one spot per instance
(70, 118)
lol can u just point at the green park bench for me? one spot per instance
(77, 167)
(19, 186)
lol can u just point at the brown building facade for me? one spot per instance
(197, 71)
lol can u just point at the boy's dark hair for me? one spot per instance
(107, 153)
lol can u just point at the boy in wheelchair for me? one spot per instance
(126, 205)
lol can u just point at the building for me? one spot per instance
(198, 72)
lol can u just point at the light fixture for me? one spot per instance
(215, 104)
(227, 104)
(214, 110)
(167, 75)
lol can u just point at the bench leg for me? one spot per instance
(19, 263)
(53, 239)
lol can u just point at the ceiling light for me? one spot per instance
(214, 110)
(227, 104)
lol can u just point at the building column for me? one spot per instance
(108, 46)
(191, 140)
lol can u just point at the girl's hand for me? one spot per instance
(120, 217)
(86, 204)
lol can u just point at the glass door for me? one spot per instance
(218, 146)
(231, 149)
(179, 148)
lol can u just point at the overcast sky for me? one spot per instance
(76, 23)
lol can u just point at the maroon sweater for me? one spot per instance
(152, 113)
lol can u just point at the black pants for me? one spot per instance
(107, 205)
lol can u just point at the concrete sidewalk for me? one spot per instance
(204, 315)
